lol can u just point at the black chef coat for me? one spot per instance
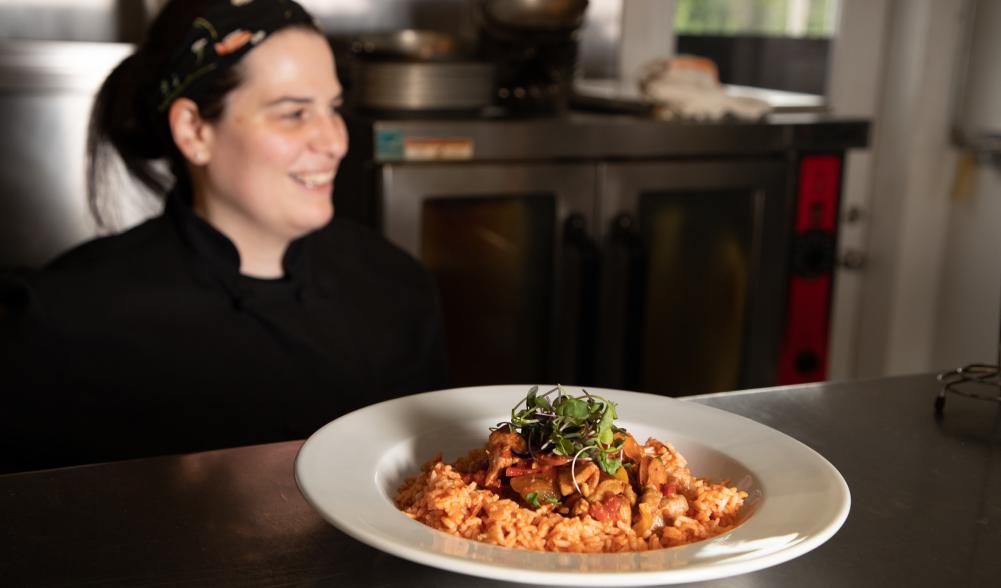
(152, 342)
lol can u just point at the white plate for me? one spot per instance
(350, 470)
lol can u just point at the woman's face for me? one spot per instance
(274, 152)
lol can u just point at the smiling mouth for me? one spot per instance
(314, 180)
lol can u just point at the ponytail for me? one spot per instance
(126, 123)
(122, 122)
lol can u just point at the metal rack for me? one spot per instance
(976, 380)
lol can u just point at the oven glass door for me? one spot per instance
(496, 239)
(696, 268)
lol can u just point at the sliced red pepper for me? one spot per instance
(517, 471)
(669, 489)
(514, 471)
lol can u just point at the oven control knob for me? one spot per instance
(813, 254)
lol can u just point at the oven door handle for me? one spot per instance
(623, 299)
(578, 304)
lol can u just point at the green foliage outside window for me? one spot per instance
(782, 18)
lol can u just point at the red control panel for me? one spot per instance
(803, 357)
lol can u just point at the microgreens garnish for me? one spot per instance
(579, 427)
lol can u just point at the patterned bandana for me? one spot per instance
(218, 40)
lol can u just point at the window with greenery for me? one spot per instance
(779, 18)
(775, 44)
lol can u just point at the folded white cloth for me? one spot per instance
(688, 87)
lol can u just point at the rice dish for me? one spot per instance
(561, 476)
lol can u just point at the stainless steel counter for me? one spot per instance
(590, 136)
(926, 506)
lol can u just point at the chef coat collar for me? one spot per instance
(218, 253)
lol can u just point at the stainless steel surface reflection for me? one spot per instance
(124, 20)
(926, 506)
(62, 20)
(46, 91)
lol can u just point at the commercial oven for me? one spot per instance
(619, 252)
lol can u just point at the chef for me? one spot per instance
(246, 312)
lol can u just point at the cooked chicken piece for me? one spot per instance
(499, 451)
(652, 472)
(630, 495)
(587, 478)
(587, 475)
(683, 480)
(672, 507)
(623, 474)
(625, 512)
(571, 504)
(668, 454)
(607, 487)
(648, 512)
(563, 481)
(580, 507)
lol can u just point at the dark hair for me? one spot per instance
(126, 118)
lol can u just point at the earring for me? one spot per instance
(200, 157)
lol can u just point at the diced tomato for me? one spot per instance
(607, 510)
(613, 503)
(598, 512)
(669, 489)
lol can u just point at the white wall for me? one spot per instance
(915, 163)
(969, 316)
(647, 34)
(930, 293)
(855, 86)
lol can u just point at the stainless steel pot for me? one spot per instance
(427, 86)
(414, 70)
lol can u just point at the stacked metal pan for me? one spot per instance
(418, 71)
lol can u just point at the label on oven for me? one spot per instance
(393, 145)
(437, 148)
